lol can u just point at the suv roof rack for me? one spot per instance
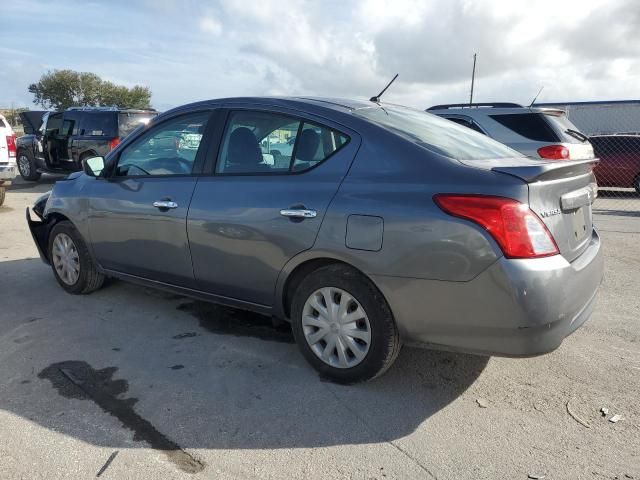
(110, 109)
(98, 109)
(471, 105)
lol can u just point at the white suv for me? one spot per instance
(7, 156)
(537, 132)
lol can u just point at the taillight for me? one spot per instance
(514, 226)
(114, 143)
(554, 152)
(11, 144)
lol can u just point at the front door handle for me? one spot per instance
(165, 204)
(298, 213)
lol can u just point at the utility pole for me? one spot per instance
(473, 78)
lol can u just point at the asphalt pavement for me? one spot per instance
(134, 383)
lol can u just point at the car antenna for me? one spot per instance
(536, 97)
(376, 99)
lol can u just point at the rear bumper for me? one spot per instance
(514, 308)
(7, 174)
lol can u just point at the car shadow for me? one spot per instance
(182, 374)
(44, 184)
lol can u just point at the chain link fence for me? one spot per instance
(614, 131)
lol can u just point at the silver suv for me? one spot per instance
(536, 132)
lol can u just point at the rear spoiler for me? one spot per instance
(31, 120)
(548, 170)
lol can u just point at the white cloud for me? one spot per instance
(209, 24)
(188, 50)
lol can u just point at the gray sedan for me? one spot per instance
(382, 225)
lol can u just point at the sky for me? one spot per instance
(193, 50)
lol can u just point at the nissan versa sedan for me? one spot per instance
(381, 226)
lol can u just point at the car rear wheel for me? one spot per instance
(2, 194)
(343, 325)
(636, 184)
(27, 167)
(72, 265)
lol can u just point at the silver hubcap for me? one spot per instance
(65, 259)
(24, 165)
(336, 327)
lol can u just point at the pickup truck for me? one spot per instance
(7, 156)
(57, 142)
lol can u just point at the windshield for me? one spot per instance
(437, 134)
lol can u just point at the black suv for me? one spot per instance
(57, 142)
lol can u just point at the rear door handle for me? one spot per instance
(165, 204)
(298, 213)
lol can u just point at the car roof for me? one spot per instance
(321, 103)
(110, 109)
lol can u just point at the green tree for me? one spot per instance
(60, 89)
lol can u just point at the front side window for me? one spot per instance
(261, 142)
(54, 124)
(168, 149)
(70, 123)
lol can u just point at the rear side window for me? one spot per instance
(532, 126)
(129, 121)
(437, 134)
(99, 124)
(263, 143)
(3, 124)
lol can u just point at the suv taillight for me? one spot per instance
(554, 152)
(514, 226)
(11, 145)
(114, 143)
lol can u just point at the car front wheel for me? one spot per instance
(343, 325)
(27, 166)
(72, 265)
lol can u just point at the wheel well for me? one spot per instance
(300, 272)
(56, 217)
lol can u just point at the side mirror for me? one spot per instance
(93, 166)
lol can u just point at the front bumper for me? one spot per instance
(514, 308)
(40, 234)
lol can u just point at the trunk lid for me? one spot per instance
(561, 193)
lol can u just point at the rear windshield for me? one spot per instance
(567, 131)
(129, 121)
(437, 134)
(99, 124)
(532, 126)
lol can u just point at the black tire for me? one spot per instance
(27, 166)
(385, 339)
(2, 195)
(636, 184)
(89, 278)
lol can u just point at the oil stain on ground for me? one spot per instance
(241, 323)
(76, 379)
